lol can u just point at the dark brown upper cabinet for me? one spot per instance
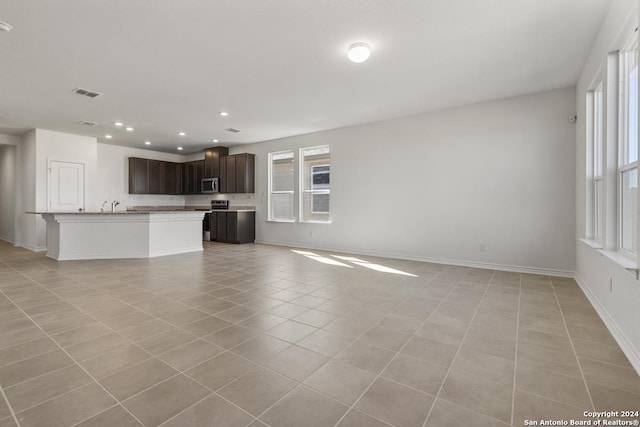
(212, 158)
(156, 184)
(245, 173)
(237, 173)
(192, 175)
(138, 176)
(172, 178)
(148, 176)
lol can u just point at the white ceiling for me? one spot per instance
(278, 67)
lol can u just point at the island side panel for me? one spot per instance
(177, 233)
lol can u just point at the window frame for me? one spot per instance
(598, 165)
(311, 192)
(627, 150)
(271, 192)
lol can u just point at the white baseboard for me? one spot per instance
(630, 350)
(121, 255)
(460, 263)
(31, 248)
(8, 240)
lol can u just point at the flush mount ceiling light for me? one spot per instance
(118, 123)
(129, 129)
(180, 148)
(108, 136)
(224, 113)
(359, 52)
(182, 133)
(215, 140)
(147, 143)
(5, 27)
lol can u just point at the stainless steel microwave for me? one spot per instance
(209, 185)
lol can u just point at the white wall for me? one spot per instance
(113, 178)
(37, 148)
(8, 159)
(618, 307)
(9, 183)
(438, 185)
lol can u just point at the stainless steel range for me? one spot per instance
(217, 205)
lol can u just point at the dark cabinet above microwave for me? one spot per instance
(212, 157)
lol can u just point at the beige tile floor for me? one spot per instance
(259, 335)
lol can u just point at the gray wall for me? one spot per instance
(438, 185)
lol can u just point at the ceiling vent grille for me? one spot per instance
(232, 130)
(85, 92)
(87, 123)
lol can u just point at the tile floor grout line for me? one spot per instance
(68, 355)
(515, 361)
(352, 406)
(202, 400)
(99, 413)
(6, 400)
(446, 375)
(260, 365)
(169, 299)
(573, 348)
(301, 383)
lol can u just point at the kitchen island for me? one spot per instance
(125, 234)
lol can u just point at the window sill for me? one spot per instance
(592, 243)
(293, 221)
(623, 261)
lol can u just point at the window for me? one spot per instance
(320, 181)
(598, 162)
(628, 147)
(315, 172)
(281, 186)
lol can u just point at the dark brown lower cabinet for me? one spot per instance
(233, 226)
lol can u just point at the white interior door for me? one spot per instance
(66, 186)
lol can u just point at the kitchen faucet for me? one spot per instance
(113, 205)
(102, 208)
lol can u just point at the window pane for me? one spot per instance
(598, 131)
(629, 102)
(282, 207)
(319, 203)
(281, 186)
(282, 175)
(629, 209)
(320, 177)
(632, 115)
(597, 198)
(315, 173)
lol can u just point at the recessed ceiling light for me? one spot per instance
(179, 148)
(108, 136)
(224, 113)
(359, 52)
(118, 123)
(5, 27)
(147, 143)
(129, 129)
(182, 133)
(214, 140)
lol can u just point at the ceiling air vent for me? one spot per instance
(85, 92)
(232, 130)
(87, 123)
